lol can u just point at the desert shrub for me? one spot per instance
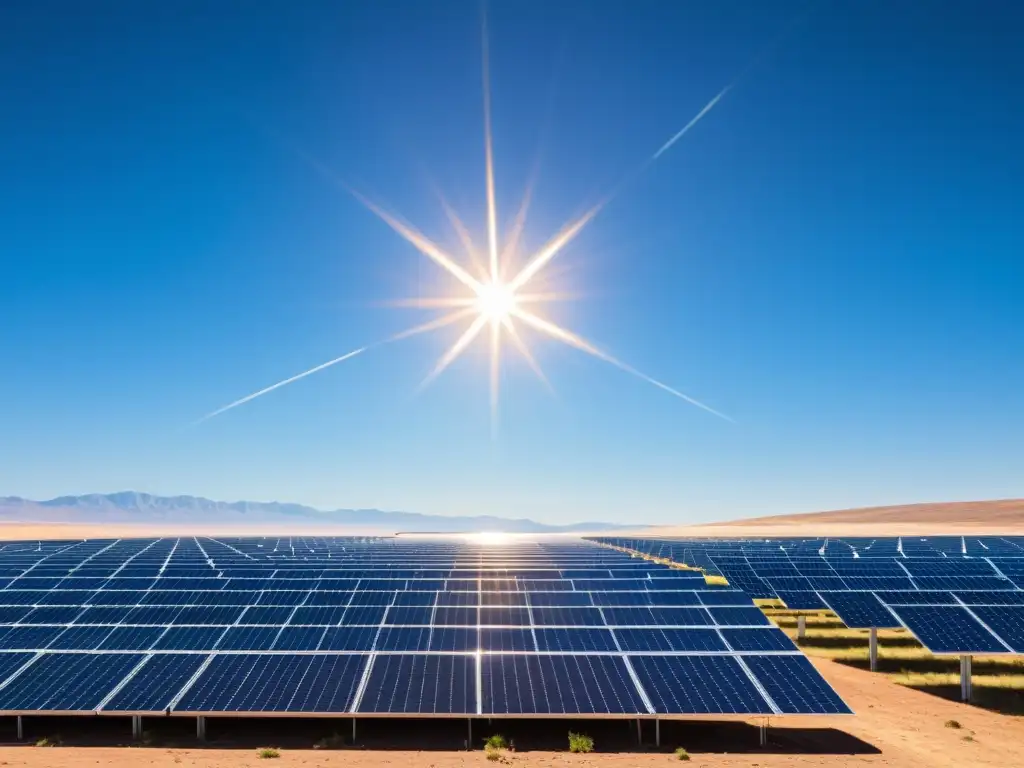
(496, 741)
(580, 742)
(268, 753)
(493, 755)
(682, 754)
(955, 724)
(50, 741)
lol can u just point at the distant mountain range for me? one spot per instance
(135, 507)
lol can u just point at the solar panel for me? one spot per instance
(698, 685)
(320, 683)
(155, 684)
(948, 629)
(558, 684)
(67, 682)
(1006, 621)
(859, 610)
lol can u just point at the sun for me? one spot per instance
(496, 301)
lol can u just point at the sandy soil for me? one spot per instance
(895, 726)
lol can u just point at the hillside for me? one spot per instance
(998, 512)
(134, 508)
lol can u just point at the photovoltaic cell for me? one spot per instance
(28, 638)
(421, 685)
(248, 638)
(575, 639)
(507, 639)
(189, 639)
(757, 640)
(80, 639)
(389, 639)
(460, 639)
(738, 616)
(795, 685)
(638, 640)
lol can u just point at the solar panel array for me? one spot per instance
(959, 595)
(333, 626)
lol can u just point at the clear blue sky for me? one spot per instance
(833, 256)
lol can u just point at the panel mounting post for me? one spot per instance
(965, 678)
(353, 731)
(469, 733)
(801, 627)
(639, 732)
(763, 733)
(136, 727)
(21, 730)
(657, 732)
(201, 728)
(873, 649)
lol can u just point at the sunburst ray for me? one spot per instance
(455, 350)
(418, 240)
(573, 340)
(524, 350)
(426, 327)
(492, 207)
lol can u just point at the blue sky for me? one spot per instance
(832, 256)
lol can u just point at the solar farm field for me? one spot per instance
(211, 647)
(382, 627)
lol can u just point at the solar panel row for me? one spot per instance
(957, 603)
(372, 626)
(413, 684)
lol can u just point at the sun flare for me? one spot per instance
(491, 295)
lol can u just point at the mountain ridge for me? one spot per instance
(141, 507)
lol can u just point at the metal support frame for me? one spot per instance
(469, 733)
(762, 730)
(353, 731)
(801, 627)
(965, 678)
(657, 732)
(873, 648)
(21, 729)
(639, 731)
(136, 727)
(201, 728)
